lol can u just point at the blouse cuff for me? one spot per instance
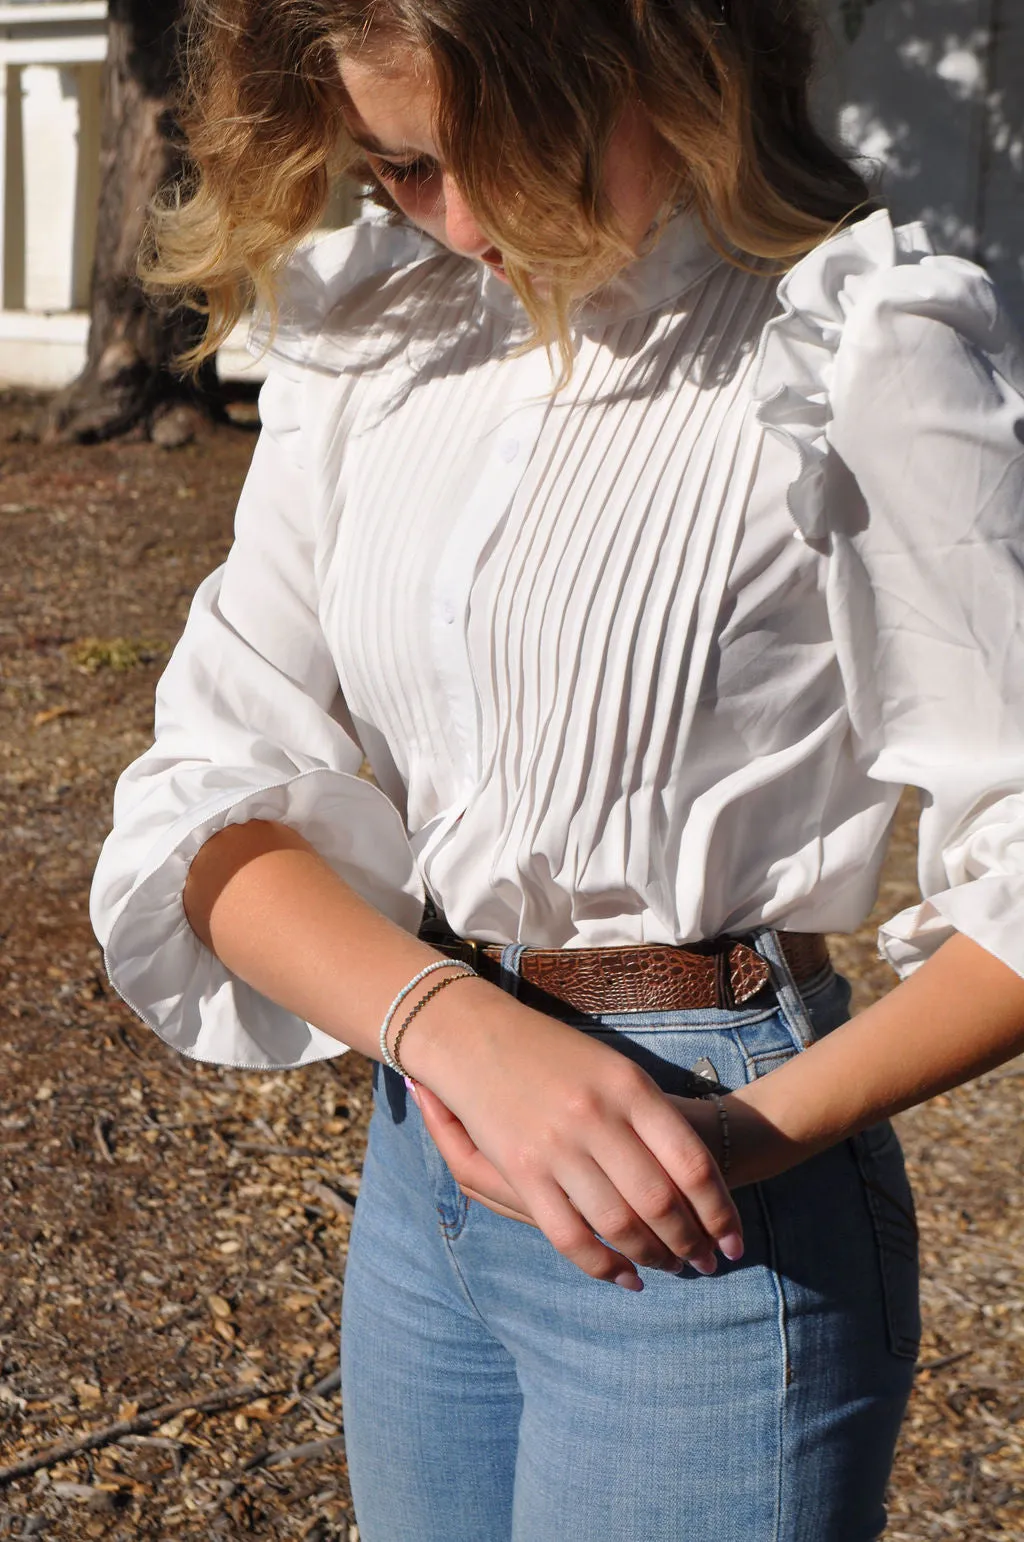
(182, 990)
(988, 910)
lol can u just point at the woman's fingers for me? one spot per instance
(476, 1175)
(478, 1178)
(509, 1211)
(572, 1236)
(466, 1162)
(659, 1237)
(679, 1152)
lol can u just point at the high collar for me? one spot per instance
(679, 258)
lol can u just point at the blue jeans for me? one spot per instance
(494, 1393)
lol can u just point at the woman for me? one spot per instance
(641, 632)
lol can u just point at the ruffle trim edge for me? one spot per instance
(798, 349)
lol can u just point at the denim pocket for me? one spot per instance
(891, 1205)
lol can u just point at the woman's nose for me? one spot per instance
(462, 232)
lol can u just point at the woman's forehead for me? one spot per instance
(392, 101)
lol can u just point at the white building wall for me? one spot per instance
(931, 91)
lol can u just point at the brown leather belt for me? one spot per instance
(724, 973)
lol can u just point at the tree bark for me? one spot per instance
(129, 382)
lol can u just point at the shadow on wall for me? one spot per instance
(932, 93)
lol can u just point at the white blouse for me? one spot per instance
(646, 660)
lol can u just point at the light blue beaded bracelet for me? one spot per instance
(389, 1016)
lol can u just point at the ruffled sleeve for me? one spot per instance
(895, 380)
(347, 300)
(249, 725)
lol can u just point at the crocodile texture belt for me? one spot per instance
(724, 973)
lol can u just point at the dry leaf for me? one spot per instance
(51, 715)
(173, 1428)
(300, 1348)
(87, 1391)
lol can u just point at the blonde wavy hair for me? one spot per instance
(527, 97)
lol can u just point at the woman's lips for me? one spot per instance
(492, 257)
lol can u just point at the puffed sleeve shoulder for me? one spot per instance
(346, 301)
(250, 724)
(895, 378)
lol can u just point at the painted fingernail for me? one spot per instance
(732, 1247)
(628, 1280)
(707, 1263)
(412, 1089)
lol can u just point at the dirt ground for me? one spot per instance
(173, 1236)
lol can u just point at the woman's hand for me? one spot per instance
(479, 1179)
(573, 1136)
(476, 1177)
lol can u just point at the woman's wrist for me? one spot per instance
(753, 1150)
(450, 1035)
(758, 1148)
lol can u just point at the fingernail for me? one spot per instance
(412, 1090)
(628, 1280)
(707, 1263)
(732, 1247)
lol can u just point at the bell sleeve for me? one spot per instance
(899, 383)
(250, 724)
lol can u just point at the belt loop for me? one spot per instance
(794, 1012)
(509, 963)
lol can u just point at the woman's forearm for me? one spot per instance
(958, 1015)
(558, 1114)
(278, 916)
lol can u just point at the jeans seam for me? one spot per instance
(664, 1022)
(905, 1345)
(459, 1276)
(782, 1322)
(453, 1229)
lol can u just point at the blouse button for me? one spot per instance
(509, 449)
(448, 612)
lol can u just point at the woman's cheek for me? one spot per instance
(422, 210)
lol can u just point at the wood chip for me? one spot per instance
(51, 715)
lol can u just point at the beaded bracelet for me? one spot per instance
(435, 990)
(725, 1159)
(389, 1016)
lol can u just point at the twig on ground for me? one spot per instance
(337, 1200)
(260, 1149)
(329, 1383)
(305, 1452)
(101, 1139)
(943, 1361)
(212, 1402)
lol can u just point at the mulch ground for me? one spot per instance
(173, 1236)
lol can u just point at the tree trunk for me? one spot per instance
(128, 381)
